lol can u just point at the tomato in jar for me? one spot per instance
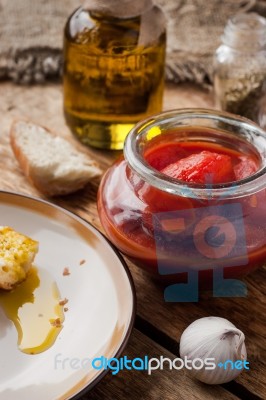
(197, 202)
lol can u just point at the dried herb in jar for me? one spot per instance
(240, 68)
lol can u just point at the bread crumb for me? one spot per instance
(82, 262)
(63, 302)
(17, 253)
(56, 322)
(65, 309)
(66, 271)
(40, 315)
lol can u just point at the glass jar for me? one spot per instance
(170, 227)
(113, 69)
(240, 68)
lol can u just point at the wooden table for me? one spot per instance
(158, 324)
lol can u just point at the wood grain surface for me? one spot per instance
(159, 324)
(166, 384)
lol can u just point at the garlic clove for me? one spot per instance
(216, 341)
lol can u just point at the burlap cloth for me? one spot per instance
(31, 34)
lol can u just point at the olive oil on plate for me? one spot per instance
(33, 307)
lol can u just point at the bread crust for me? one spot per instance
(49, 188)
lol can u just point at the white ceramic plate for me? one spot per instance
(101, 304)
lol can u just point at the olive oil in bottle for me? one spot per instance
(113, 73)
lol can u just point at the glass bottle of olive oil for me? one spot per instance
(113, 73)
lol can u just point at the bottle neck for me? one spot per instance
(246, 32)
(118, 8)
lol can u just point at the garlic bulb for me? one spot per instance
(216, 339)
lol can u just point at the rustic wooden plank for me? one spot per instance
(44, 105)
(161, 384)
(248, 314)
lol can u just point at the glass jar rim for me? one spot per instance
(248, 28)
(250, 20)
(133, 154)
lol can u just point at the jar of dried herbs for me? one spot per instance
(240, 68)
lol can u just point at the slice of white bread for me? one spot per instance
(17, 253)
(51, 163)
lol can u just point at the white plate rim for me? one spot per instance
(128, 332)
